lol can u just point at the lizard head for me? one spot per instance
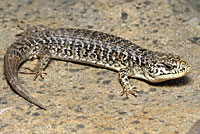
(161, 67)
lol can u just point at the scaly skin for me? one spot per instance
(90, 47)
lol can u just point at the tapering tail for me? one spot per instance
(12, 61)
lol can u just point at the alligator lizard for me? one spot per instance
(90, 47)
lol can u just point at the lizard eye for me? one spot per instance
(168, 67)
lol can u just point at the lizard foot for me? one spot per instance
(129, 90)
(35, 72)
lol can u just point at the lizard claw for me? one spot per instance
(127, 91)
(41, 74)
(37, 73)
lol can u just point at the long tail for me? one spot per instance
(12, 61)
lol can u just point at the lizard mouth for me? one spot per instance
(168, 77)
(165, 77)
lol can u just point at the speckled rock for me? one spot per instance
(85, 99)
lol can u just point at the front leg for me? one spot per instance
(127, 88)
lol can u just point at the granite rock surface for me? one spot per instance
(84, 99)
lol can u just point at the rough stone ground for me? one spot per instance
(84, 99)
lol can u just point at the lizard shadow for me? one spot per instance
(170, 83)
(173, 83)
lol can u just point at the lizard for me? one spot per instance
(93, 48)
